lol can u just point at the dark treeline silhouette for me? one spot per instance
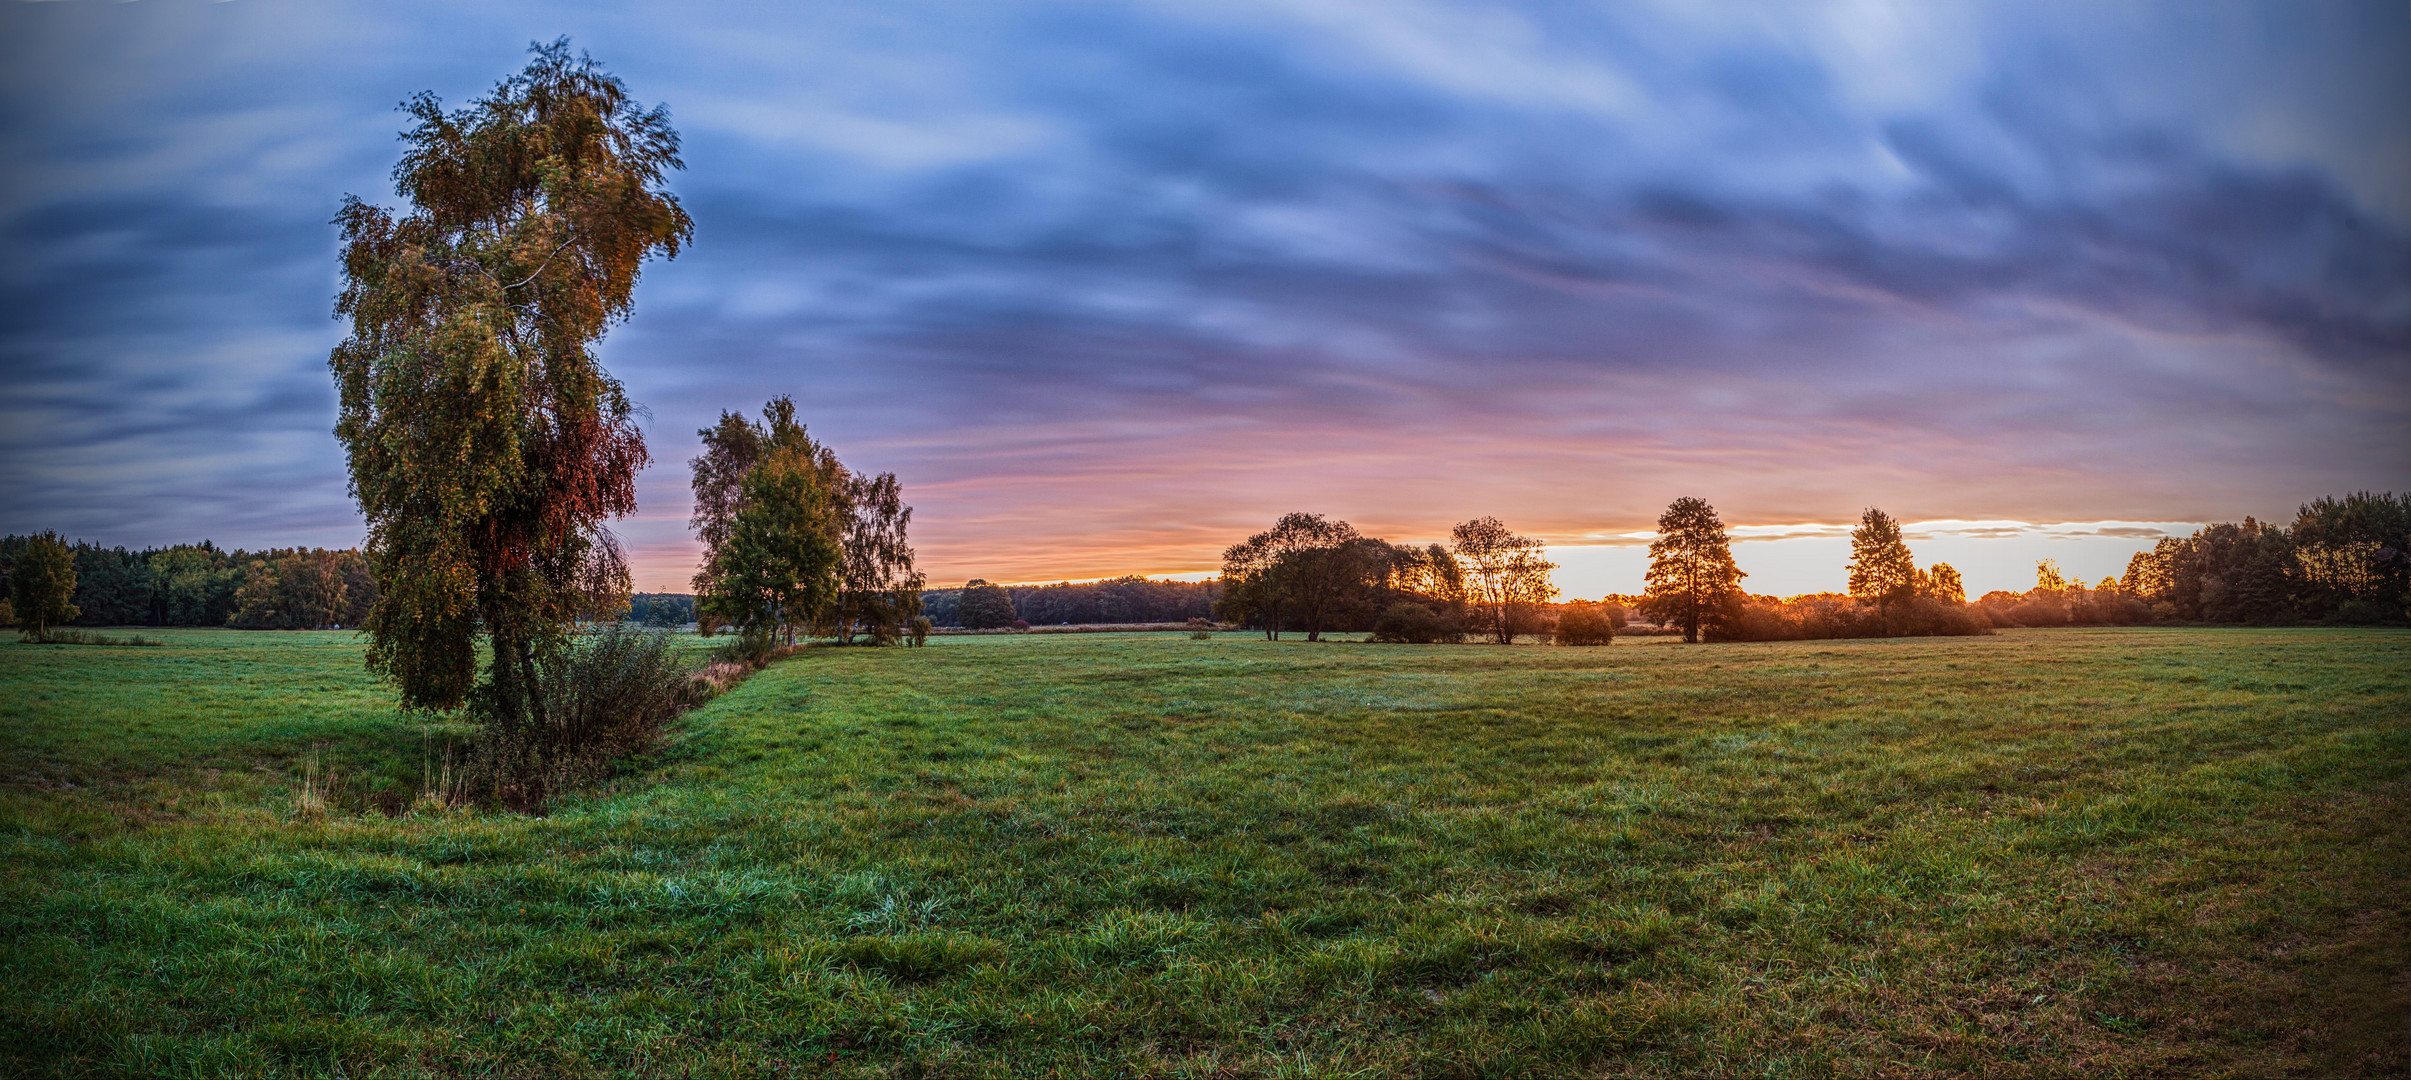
(1132, 599)
(1313, 575)
(206, 585)
(2343, 560)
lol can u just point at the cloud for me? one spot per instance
(1106, 285)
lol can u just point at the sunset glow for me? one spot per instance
(1977, 265)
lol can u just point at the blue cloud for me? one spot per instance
(2149, 262)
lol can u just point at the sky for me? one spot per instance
(1109, 287)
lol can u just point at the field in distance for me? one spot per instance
(2113, 851)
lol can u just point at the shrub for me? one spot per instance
(920, 630)
(1201, 635)
(605, 697)
(1414, 624)
(1021, 624)
(1584, 624)
(86, 637)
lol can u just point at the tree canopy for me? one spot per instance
(41, 586)
(986, 606)
(1691, 576)
(870, 584)
(488, 447)
(1881, 570)
(1504, 576)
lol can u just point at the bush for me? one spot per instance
(1414, 624)
(86, 637)
(606, 697)
(920, 630)
(1201, 635)
(1584, 624)
(1021, 624)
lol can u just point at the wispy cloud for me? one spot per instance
(1108, 286)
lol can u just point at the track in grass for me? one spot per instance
(2131, 850)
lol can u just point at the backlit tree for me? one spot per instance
(1505, 577)
(1881, 571)
(1692, 579)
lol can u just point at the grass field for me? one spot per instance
(2117, 852)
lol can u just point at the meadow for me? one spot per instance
(2121, 852)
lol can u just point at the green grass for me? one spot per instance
(2117, 852)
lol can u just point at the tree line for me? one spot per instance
(202, 585)
(979, 605)
(2343, 560)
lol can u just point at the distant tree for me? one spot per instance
(1881, 571)
(488, 446)
(1505, 576)
(1305, 570)
(1692, 579)
(1943, 583)
(1430, 573)
(41, 584)
(291, 590)
(781, 566)
(2047, 576)
(2355, 556)
(986, 607)
(112, 586)
(880, 592)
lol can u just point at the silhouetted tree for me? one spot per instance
(986, 607)
(2355, 556)
(1881, 571)
(2047, 576)
(488, 447)
(1584, 624)
(41, 583)
(1306, 569)
(1504, 574)
(1692, 579)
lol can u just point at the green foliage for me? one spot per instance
(1692, 580)
(304, 589)
(985, 607)
(873, 591)
(487, 446)
(779, 569)
(86, 637)
(41, 585)
(604, 698)
(2131, 852)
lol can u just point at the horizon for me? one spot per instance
(1405, 264)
